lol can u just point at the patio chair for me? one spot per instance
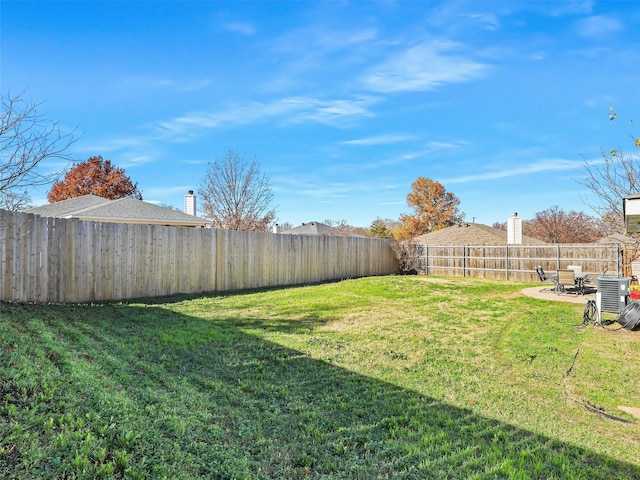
(587, 285)
(582, 281)
(576, 268)
(566, 282)
(544, 279)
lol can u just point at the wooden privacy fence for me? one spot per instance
(518, 262)
(59, 260)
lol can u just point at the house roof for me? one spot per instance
(66, 207)
(618, 238)
(312, 228)
(123, 210)
(471, 234)
(317, 228)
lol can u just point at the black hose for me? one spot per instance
(590, 314)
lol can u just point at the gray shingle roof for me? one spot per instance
(71, 205)
(123, 210)
(618, 238)
(317, 228)
(311, 228)
(471, 234)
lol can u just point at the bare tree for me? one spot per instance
(343, 228)
(554, 225)
(609, 224)
(26, 140)
(236, 194)
(337, 224)
(500, 225)
(408, 253)
(609, 181)
(170, 207)
(15, 200)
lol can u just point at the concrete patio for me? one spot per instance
(543, 292)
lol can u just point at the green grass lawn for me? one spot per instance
(385, 377)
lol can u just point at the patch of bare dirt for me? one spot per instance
(635, 411)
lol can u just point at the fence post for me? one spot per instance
(426, 257)
(558, 257)
(464, 261)
(507, 262)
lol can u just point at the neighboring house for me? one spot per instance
(471, 234)
(316, 228)
(311, 228)
(123, 210)
(620, 238)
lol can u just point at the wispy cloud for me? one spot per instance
(150, 82)
(379, 140)
(489, 21)
(317, 40)
(312, 186)
(318, 55)
(447, 145)
(330, 190)
(423, 67)
(135, 149)
(548, 165)
(336, 113)
(243, 28)
(432, 149)
(286, 110)
(595, 27)
(567, 7)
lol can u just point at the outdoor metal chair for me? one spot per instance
(543, 278)
(576, 268)
(582, 281)
(567, 282)
(584, 285)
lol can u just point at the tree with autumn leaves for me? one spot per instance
(433, 208)
(95, 176)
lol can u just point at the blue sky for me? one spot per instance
(343, 104)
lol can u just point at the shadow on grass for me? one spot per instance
(184, 397)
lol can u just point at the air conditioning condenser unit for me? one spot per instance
(613, 294)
